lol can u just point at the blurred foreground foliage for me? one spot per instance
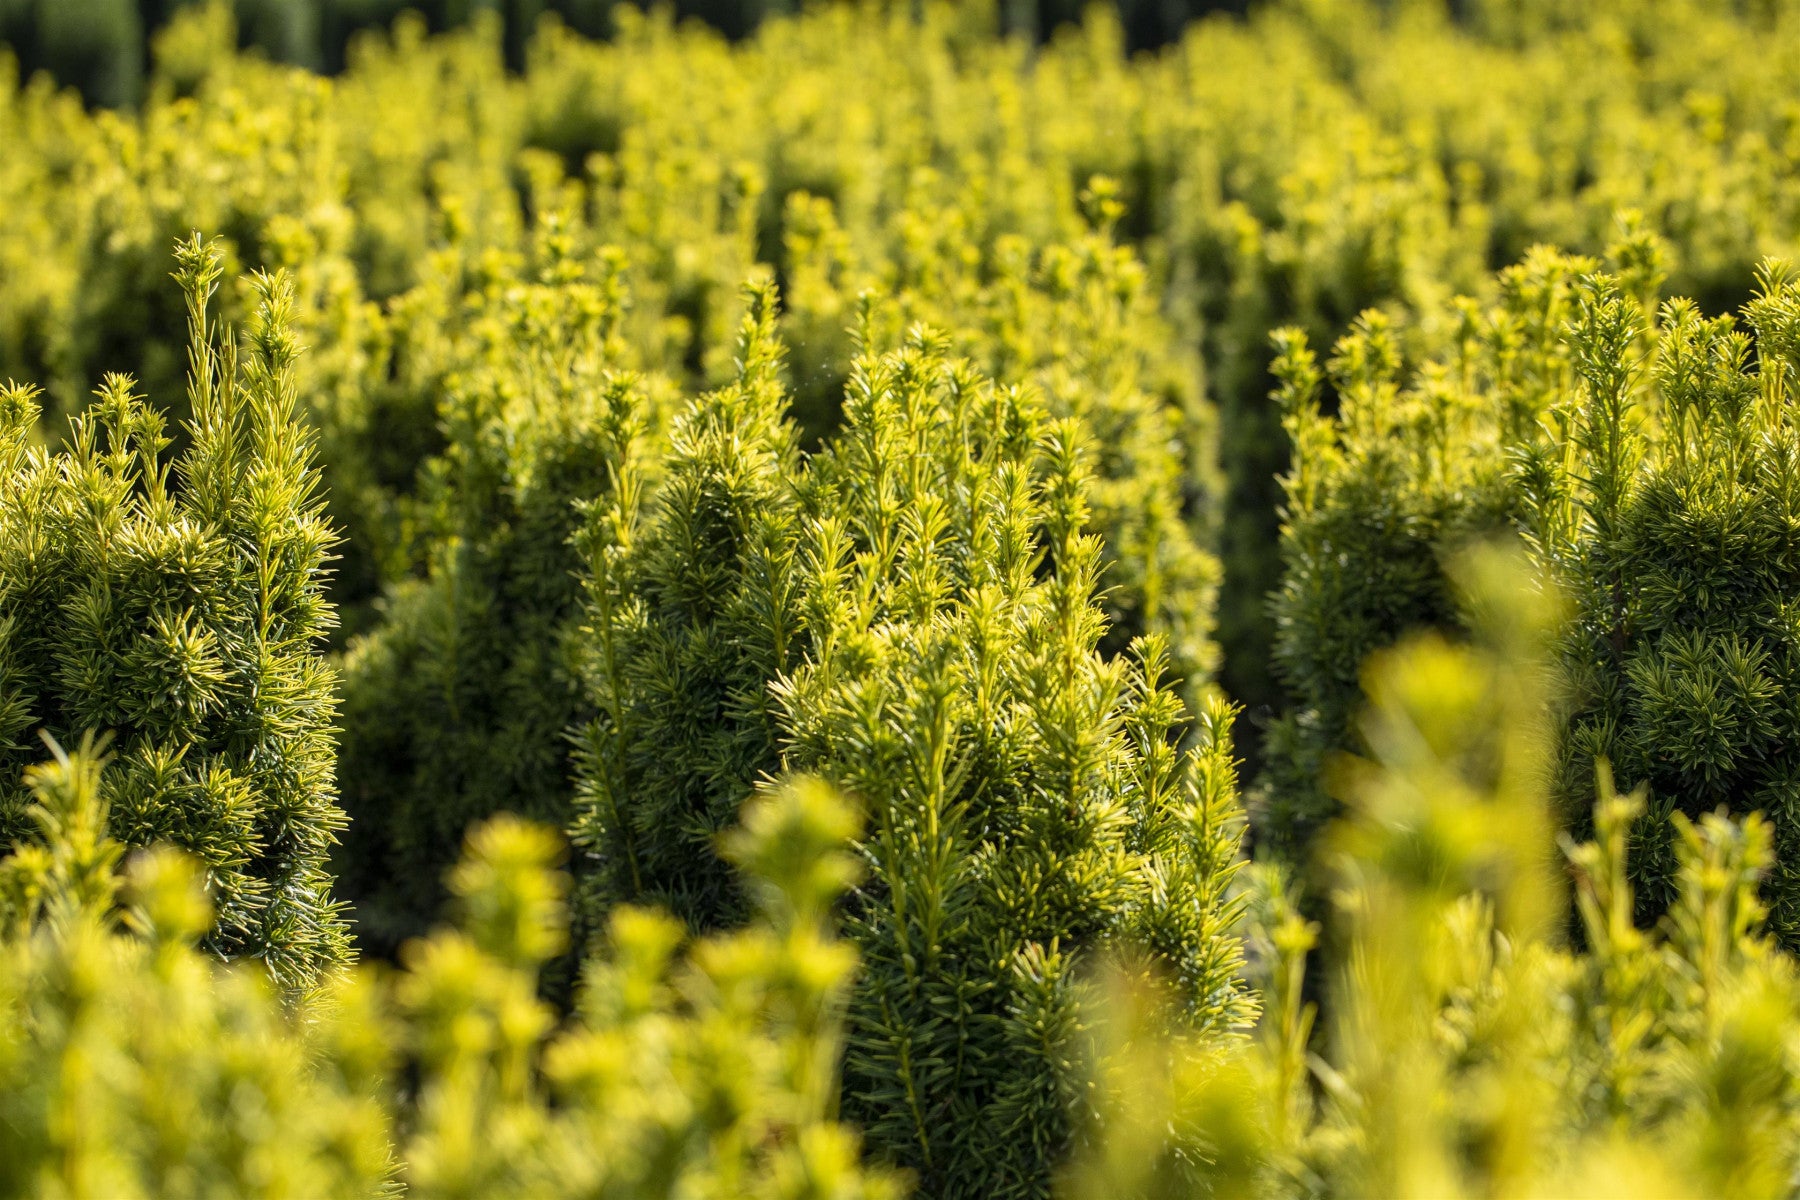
(1646, 453)
(1471, 1047)
(135, 1064)
(1474, 1044)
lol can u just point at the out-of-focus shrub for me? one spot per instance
(134, 1064)
(1469, 1050)
(1644, 460)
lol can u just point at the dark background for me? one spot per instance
(102, 46)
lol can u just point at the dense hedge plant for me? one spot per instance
(1469, 1050)
(459, 695)
(911, 613)
(459, 703)
(1414, 463)
(966, 576)
(1414, 149)
(1403, 153)
(1675, 540)
(1645, 462)
(690, 616)
(177, 603)
(1074, 317)
(1027, 807)
(136, 1064)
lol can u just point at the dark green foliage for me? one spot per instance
(179, 606)
(690, 621)
(458, 705)
(1679, 541)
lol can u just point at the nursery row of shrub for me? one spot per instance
(909, 613)
(100, 47)
(1295, 168)
(676, 430)
(1470, 1051)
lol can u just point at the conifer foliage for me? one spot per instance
(936, 525)
(1381, 494)
(689, 622)
(1466, 1050)
(1677, 537)
(1025, 807)
(177, 604)
(911, 614)
(460, 703)
(1075, 318)
(133, 1064)
(1648, 464)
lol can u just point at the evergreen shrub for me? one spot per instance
(458, 704)
(1074, 317)
(177, 603)
(1644, 460)
(1467, 1049)
(690, 616)
(460, 695)
(1380, 495)
(911, 613)
(1028, 810)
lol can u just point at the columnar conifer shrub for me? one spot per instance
(458, 705)
(1026, 808)
(911, 613)
(1469, 1051)
(386, 234)
(690, 619)
(1674, 534)
(177, 604)
(1418, 147)
(1075, 319)
(132, 1063)
(1412, 465)
(1646, 464)
(1391, 169)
